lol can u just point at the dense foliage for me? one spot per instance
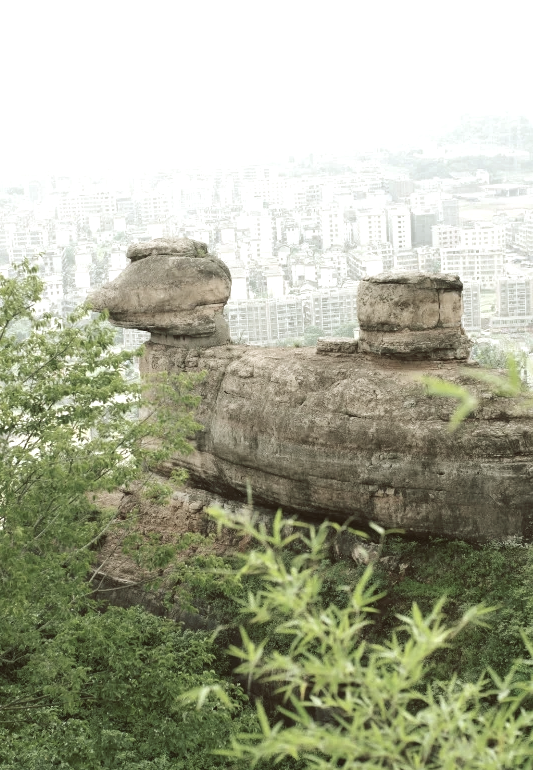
(353, 704)
(80, 688)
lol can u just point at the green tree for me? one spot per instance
(107, 692)
(347, 330)
(311, 335)
(80, 689)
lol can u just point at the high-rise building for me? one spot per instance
(330, 310)
(371, 226)
(421, 224)
(399, 228)
(331, 227)
(524, 235)
(514, 297)
(262, 321)
(481, 265)
(450, 212)
(514, 304)
(472, 305)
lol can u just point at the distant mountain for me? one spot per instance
(505, 131)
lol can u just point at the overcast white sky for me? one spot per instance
(115, 85)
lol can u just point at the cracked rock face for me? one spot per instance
(355, 435)
(173, 288)
(412, 316)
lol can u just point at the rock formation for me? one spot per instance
(349, 432)
(174, 289)
(412, 316)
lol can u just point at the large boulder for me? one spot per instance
(355, 437)
(173, 288)
(412, 316)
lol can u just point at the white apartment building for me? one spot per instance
(483, 236)
(134, 338)
(399, 228)
(303, 270)
(524, 235)
(152, 207)
(338, 259)
(445, 236)
(292, 235)
(262, 321)
(327, 278)
(331, 227)
(274, 280)
(117, 263)
(514, 297)
(53, 288)
(472, 305)
(239, 282)
(406, 261)
(371, 226)
(428, 259)
(260, 228)
(329, 310)
(474, 264)
(86, 203)
(364, 262)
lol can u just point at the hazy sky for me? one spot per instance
(114, 85)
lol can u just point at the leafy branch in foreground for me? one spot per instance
(68, 429)
(509, 385)
(350, 704)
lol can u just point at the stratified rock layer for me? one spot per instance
(356, 436)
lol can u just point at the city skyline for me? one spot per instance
(98, 88)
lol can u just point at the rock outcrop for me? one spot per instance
(174, 289)
(412, 316)
(356, 436)
(350, 433)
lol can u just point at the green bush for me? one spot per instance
(352, 704)
(105, 692)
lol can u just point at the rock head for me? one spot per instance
(172, 288)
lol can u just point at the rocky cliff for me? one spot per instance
(344, 430)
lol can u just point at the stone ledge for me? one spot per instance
(344, 345)
(431, 344)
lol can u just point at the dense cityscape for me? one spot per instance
(299, 235)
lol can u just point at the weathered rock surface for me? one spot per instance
(356, 436)
(412, 316)
(331, 345)
(350, 433)
(181, 247)
(171, 288)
